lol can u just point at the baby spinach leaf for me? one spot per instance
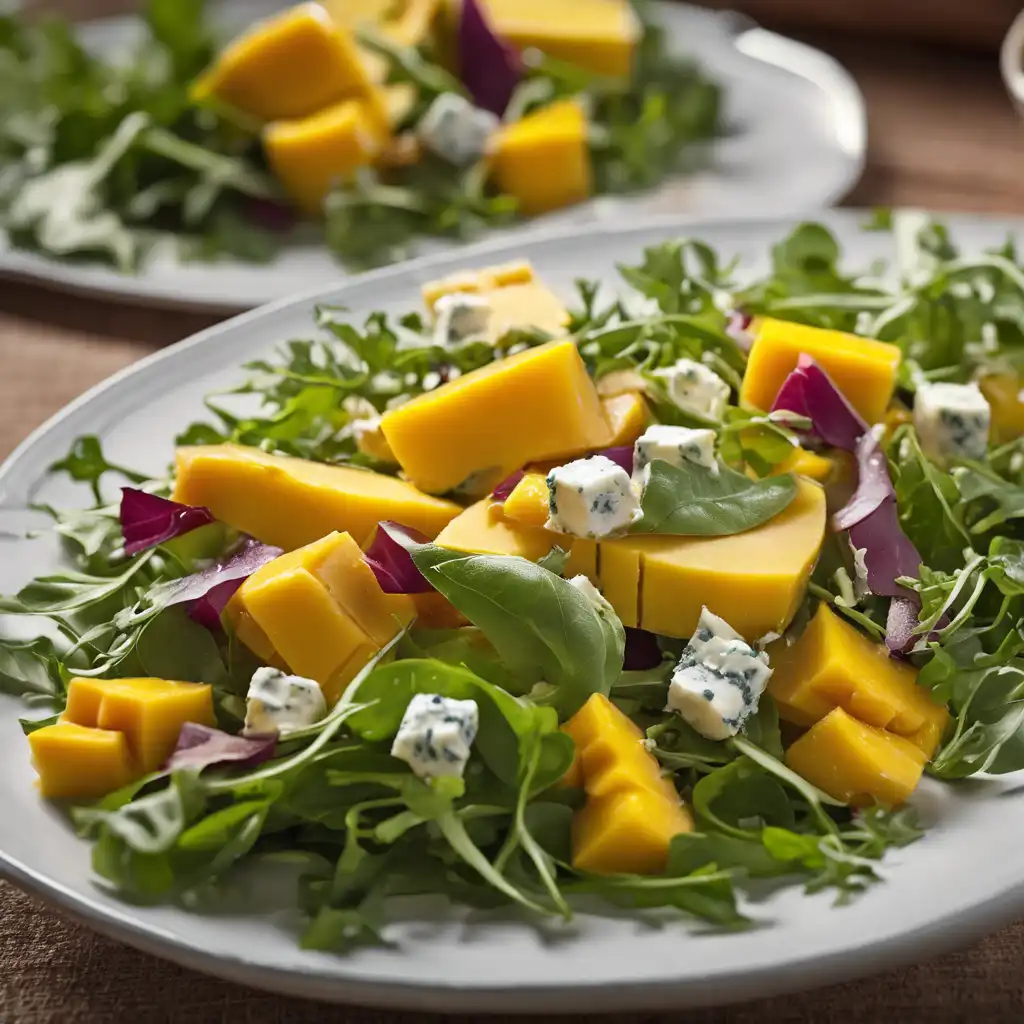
(691, 501)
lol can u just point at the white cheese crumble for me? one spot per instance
(591, 498)
(460, 316)
(860, 572)
(598, 601)
(436, 735)
(952, 421)
(719, 679)
(694, 388)
(455, 130)
(674, 445)
(278, 702)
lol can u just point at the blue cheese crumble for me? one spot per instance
(597, 600)
(278, 702)
(455, 130)
(461, 316)
(719, 679)
(952, 421)
(436, 735)
(591, 498)
(675, 445)
(694, 388)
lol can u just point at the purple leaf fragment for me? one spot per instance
(809, 391)
(392, 563)
(199, 746)
(489, 68)
(147, 520)
(642, 650)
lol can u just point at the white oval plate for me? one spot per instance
(800, 144)
(961, 880)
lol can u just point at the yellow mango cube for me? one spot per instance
(322, 611)
(1003, 392)
(627, 417)
(405, 22)
(857, 763)
(484, 530)
(292, 502)
(805, 463)
(312, 155)
(582, 560)
(864, 370)
(288, 66)
(477, 429)
(78, 763)
(528, 502)
(619, 578)
(149, 712)
(543, 161)
(833, 665)
(478, 282)
(598, 35)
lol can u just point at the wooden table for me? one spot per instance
(943, 136)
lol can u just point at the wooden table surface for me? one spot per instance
(942, 135)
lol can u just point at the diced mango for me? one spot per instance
(475, 430)
(832, 665)
(149, 712)
(321, 609)
(619, 578)
(528, 502)
(288, 66)
(621, 382)
(598, 35)
(477, 282)
(481, 530)
(405, 22)
(857, 763)
(435, 611)
(863, 369)
(543, 161)
(292, 502)
(582, 560)
(76, 762)
(805, 463)
(312, 155)
(1003, 391)
(627, 416)
(632, 810)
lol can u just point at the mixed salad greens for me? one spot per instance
(330, 801)
(116, 159)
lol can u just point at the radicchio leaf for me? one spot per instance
(737, 327)
(199, 746)
(888, 551)
(622, 456)
(391, 562)
(642, 650)
(873, 484)
(148, 520)
(901, 623)
(489, 68)
(810, 391)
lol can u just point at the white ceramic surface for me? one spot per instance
(963, 879)
(1011, 62)
(799, 144)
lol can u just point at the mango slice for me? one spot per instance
(1003, 393)
(528, 502)
(475, 430)
(805, 463)
(857, 763)
(288, 66)
(483, 530)
(632, 810)
(292, 502)
(75, 762)
(312, 155)
(149, 712)
(864, 370)
(598, 35)
(627, 416)
(478, 282)
(322, 611)
(833, 665)
(543, 161)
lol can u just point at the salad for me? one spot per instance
(648, 598)
(368, 123)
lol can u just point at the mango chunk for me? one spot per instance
(483, 530)
(582, 560)
(619, 568)
(833, 665)
(405, 22)
(543, 161)
(863, 369)
(528, 502)
(857, 763)
(312, 155)
(805, 463)
(76, 762)
(322, 611)
(1003, 391)
(292, 502)
(476, 429)
(518, 299)
(627, 417)
(149, 712)
(598, 35)
(288, 66)
(632, 810)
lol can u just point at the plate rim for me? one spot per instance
(117, 921)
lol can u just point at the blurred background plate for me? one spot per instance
(798, 143)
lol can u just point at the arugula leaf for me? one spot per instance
(691, 501)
